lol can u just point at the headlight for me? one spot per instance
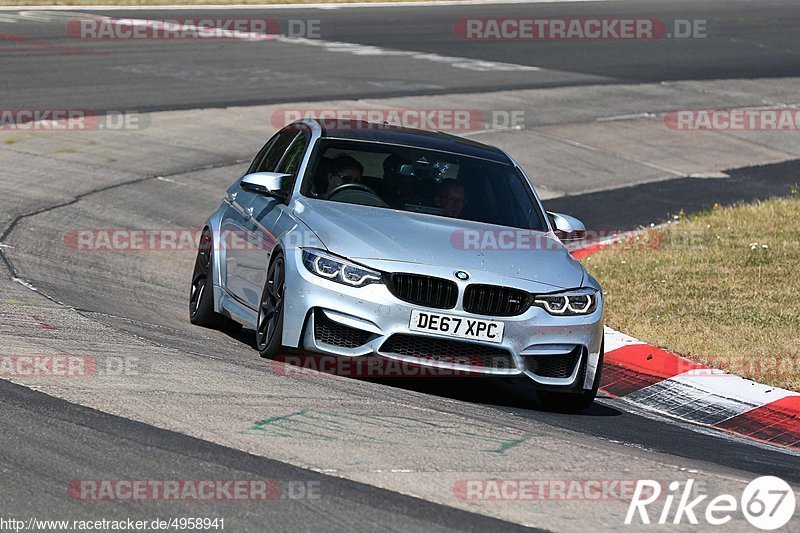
(569, 303)
(338, 269)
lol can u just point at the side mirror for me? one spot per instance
(266, 184)
(567, 228)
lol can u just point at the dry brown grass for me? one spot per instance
(722, 287)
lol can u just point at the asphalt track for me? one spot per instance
(72, 431)
(744, 40)
(50, 441)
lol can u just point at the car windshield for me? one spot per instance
(422, 181)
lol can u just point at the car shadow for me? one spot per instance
(243, 335)
(515, 393)
(507, 392)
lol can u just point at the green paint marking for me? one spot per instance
(269, 421)
(507, 445)
(317, 421)
(336, 423)
(270, 426)
(321, 422)
(295, 433)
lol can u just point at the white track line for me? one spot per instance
(476, 65)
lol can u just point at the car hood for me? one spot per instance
(362, 233)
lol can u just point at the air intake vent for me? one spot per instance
(447, 351)
(554, 366)
(327, 331)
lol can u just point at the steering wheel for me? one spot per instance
(355, 187)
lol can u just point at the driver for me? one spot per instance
(450, 196)
(344, 169)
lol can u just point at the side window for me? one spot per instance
(276, 151)
(530, 209)
(294, 156)
(261, 153)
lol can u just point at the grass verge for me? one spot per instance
(721, 287)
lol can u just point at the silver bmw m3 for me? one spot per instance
(356, 240)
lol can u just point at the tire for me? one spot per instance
(201, 294)
(269, 327)
(570, 402)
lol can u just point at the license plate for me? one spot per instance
(457, 326)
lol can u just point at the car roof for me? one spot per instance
(359, 130)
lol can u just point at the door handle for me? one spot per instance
(248, 213)
(232, 197)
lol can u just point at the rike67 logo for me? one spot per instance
(767, 502)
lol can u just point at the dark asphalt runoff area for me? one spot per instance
(49, 69)
(629, 208)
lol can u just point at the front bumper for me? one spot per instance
(326, 317)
